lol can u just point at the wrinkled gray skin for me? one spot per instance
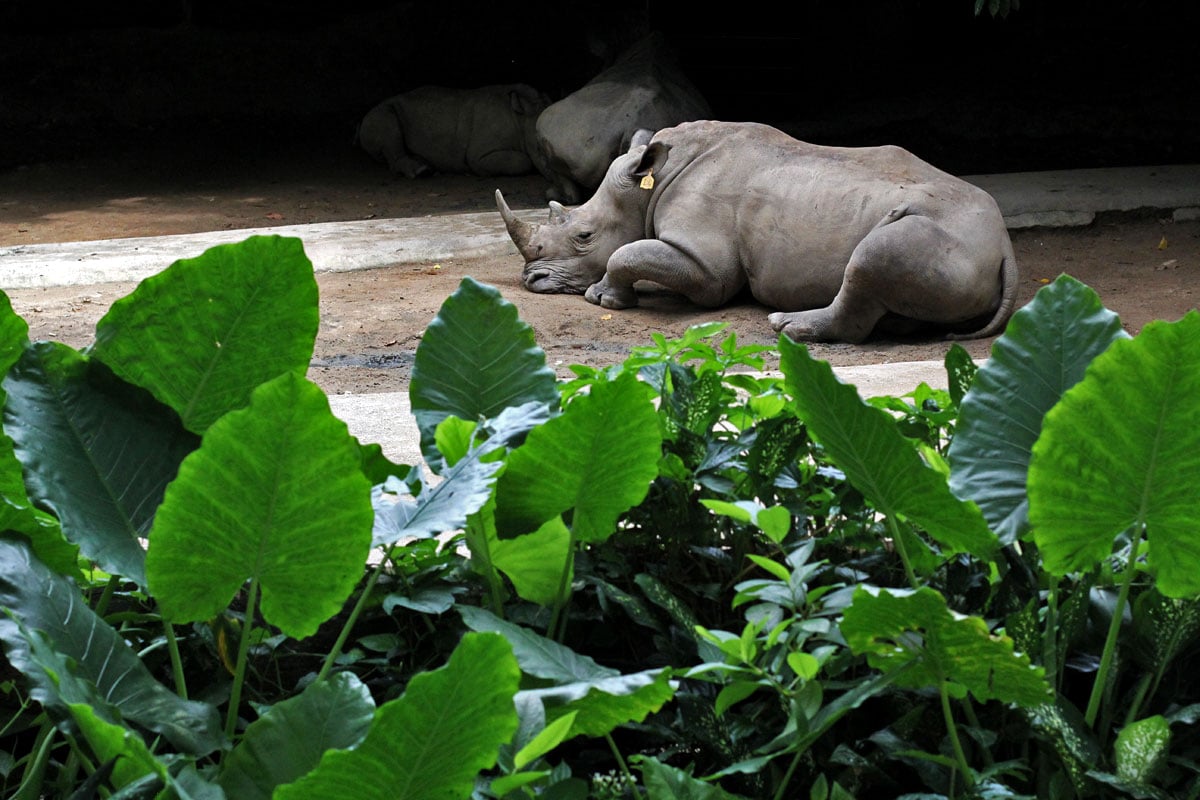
(581, 134)
(484, 131)
(837, 239)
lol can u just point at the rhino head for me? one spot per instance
(570, 251)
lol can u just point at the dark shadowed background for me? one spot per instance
(1055, 84)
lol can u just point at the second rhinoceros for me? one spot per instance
(580, 135)
(837, 239)
(485, 131)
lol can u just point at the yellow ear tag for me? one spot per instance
(648, 181)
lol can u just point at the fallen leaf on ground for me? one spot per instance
(274, 215)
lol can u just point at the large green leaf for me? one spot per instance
(476, 359)
(597, 459)
(14, 334)
(274, 493)
(204, 332)
(1140, 749)
(1043, 353)
(536, 562)
(603, 704)
(431, 743)
(1121, 450)
(916, 629)
(97, 452)
(876, 458)
(435, 508)
(464, 488)
(102, 662)
(538, 656)
(664, 782)
(18, 514)
(1164, 627)
(288, 741)
(112, 742)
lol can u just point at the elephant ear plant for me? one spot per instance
(679, 576)
(179, 498)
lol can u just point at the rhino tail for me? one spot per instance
(1009, 277)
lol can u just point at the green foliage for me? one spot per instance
(432, 741)
(1048, 345)
(294, 518)
(1085, 490)
(476, 359)
(97, 453)
(203, 334)
(674, 577)
(556, 470)
(279, 747)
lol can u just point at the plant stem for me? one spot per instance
(176, 660)
(110, 588)
(477, 537)
(1050, 635)
(973, 721)
(243, 657)
(336, 650)
(622, 765)
(34, 778)
(959, 754)
(1135, 707)
(1114, 630)
(563, 596)
(898, 540)
(787, 776)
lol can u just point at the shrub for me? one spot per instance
(675, 577)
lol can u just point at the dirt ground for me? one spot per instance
(1143, 267)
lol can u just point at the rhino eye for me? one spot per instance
(585, 235)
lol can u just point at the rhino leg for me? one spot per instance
(410, 166)
(659, 262)
(908, 266)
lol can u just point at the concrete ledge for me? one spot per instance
(1073, 197)
(332, 247)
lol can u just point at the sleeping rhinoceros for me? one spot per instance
(581, 134)
(483, 131)
(836, 238)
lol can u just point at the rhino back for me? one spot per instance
(582, 133)
(452, 128)
(788, 213)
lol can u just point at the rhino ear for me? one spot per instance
(641, 137)
(526, 101)
(654, 157)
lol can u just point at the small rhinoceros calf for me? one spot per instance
(838, 239)
(484, 131)
(580, 135)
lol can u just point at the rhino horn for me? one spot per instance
(558, 213)
(518, 230)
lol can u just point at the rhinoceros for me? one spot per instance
(581, 134)
(484, 131)
(838, 239)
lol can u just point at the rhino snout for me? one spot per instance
(542, 281)
(547, 280)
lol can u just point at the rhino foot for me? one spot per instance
(606, 296)
(818, 325)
